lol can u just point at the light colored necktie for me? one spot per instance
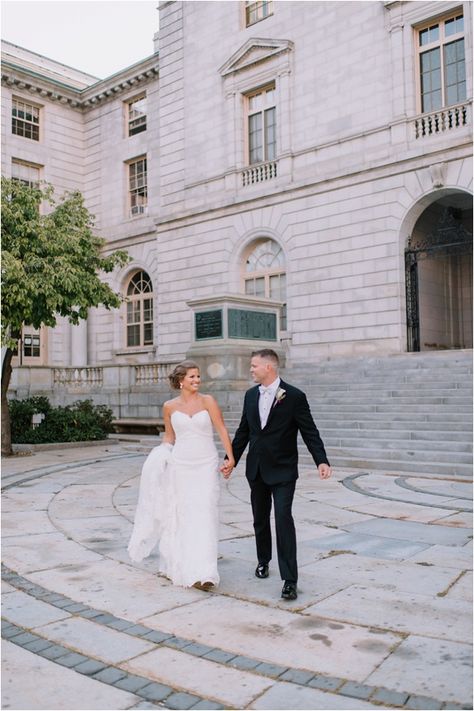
(264, 404)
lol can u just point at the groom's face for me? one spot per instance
(259, 369)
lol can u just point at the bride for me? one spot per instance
(179, 486)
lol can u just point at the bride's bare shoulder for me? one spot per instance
(170, 405)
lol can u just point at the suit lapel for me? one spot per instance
(253, 402)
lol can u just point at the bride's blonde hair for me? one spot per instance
(179, 373)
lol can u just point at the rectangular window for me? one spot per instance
(137, 181)
(26, 173)
(31, 345)
(256, 11)
(25, 119)
(140, 322)
(133, 323)
(442, 63)
(136, 115)
(262, 125)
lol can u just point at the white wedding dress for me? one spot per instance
(178, 500)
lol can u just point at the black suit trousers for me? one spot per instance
(261, 495)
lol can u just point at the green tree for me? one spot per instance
(51, 265)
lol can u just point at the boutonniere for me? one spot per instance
(280, 395)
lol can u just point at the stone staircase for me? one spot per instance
(409, 412)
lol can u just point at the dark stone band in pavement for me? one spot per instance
(349, 483)
(40, 472)
(165, 695)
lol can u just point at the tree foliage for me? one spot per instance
(52, 264)
(51, 260)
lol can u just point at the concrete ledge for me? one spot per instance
(60, 445)
(136, 425)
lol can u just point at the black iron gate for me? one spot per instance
(449, 239)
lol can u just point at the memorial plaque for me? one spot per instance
(252, 325)
(208, 324)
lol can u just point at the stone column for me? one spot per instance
(79, 344)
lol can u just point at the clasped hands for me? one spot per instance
(226, 468)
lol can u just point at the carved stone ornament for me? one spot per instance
(438, 174)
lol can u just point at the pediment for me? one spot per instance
(254, 51)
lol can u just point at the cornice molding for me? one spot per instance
(43, 88)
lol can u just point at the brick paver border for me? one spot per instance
(165, 695)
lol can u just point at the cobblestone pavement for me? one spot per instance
(382, 620)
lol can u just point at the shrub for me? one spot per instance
(81, 421)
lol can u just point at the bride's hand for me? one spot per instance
(227, 467)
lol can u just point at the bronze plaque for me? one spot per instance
(252, 325)
(208, 324)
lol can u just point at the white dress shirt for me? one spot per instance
(265, 401)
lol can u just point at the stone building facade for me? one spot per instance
(306, 162)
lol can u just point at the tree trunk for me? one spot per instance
(6, 428)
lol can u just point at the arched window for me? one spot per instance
(140, 310)
(265, 274)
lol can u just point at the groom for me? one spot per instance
(273, 413)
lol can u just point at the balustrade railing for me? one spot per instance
(442, 120)
(93, 377)
(78, 377)
(152, 373)
(259, 173)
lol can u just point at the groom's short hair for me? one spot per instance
(268, 354)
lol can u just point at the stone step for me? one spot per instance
(360, 460)
(401, 444)
(382, 399)
(404, 453)
(407, 435)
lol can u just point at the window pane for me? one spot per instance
(148, 334)
(270, 134)
(430, 80)
(454, 25)
(454, 74)
(255, 138)
(133, 335)
(260, 286)
(148, 310)
(431, 34)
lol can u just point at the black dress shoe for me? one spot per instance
(289, 591)
(261, 571)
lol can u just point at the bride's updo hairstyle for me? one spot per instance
(180, 371)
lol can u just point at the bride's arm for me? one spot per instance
(169, 436)
(218, 422)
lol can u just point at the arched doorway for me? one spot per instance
(438, 269)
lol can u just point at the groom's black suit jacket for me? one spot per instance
(273, 450)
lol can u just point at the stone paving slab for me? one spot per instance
(238, 580)
(291, 696)
(122, 590)
(244, 628)
(413, 531)
(445, 556)
(403, 612)
(86, 636)
(31, 682)
(232, 687)
(24, 610)
(459, 520)
(382, 547)
(429, 667)
(399, 511)
(21, 523)
(403, 576)
(276, 636)
(42, 551)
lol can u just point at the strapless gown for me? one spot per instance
(178, 503)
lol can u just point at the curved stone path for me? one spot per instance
(383, 617)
